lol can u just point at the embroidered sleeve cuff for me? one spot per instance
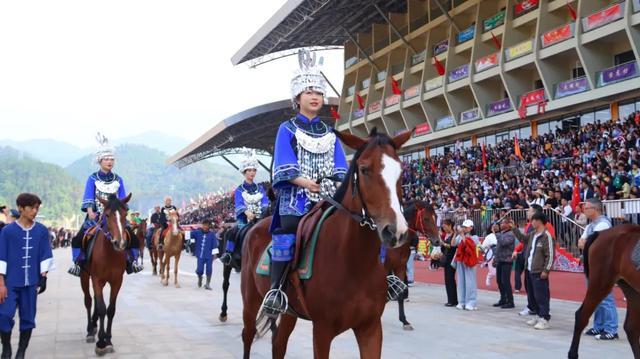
(87, 204)
(3, 267)
(47, 265)
(340, 173)
(285, 173)
(240, 210)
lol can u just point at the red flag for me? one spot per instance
(395, 87)
(496, 41)
(575, 198)
(517, 148)
(522, 110)
(572, 11)
(484, 157)
(360, 101)
(439, 66)
(433, 167)
(637, 118)
(334, 113)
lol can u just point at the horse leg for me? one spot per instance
(369, 337)
(101, 311)
(251, 301)
(281, 337)
(405, 324)
(226, 273)
(91, 326)
(175, 270)
(632, 320)
(165, 263)
(111, 312)
(597, 290)
(322, 338)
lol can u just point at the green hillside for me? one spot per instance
(19, 172)
(149, 179)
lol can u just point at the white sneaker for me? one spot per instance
(532, 322)
(460, 307)
(525, 311)
(542, 324)
(473, 309)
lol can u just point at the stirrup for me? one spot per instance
(395, 287)
(275, 303)
(137, 268)
(75, 270)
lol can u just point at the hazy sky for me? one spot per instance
(71, 68)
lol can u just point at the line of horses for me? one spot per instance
(348, 288)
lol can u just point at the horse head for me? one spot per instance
(173, 218)
(374, 180)
(423, 219)
(113, 221)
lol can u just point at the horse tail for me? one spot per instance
(585, 252)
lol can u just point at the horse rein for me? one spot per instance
(363, 219)
(101, 224)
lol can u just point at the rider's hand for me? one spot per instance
(3, 293)
(312, 186)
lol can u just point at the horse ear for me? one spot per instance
(402, 138)
(353, 142)
(127, 198)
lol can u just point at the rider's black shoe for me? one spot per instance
(75, 270)
(6, 345)
(25, 336)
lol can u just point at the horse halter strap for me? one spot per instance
(102, 227)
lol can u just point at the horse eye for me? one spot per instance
(365, 170)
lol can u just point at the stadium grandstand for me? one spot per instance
(513, 102)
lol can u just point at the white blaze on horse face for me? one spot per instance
(391, 171)
(174, 224)
(121, 235)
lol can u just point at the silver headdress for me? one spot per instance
(249, 161)
(308, 76)
(104, 149)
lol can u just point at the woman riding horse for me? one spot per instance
(100, 185)
(306, 151)
(251, 204)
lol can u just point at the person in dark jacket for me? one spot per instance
(449, 251)
(503, 262)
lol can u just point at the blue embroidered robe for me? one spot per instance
(249, 190)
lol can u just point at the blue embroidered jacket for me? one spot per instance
(205, 243)
(241, 205)
(101, 184)
(291, 198)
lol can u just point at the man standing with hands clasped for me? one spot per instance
(538, 261)
(25, 260)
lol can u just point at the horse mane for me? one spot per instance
(375, 139)
(585, 252)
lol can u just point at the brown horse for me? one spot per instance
(106, 265)
(422, 220)
(607, 261)
(173, 244)
(140, 233)
(154, 254)
(348, 289)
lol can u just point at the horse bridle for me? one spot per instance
(102, 227)
(363, 219)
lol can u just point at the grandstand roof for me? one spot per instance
(313, 23)
(253, 128)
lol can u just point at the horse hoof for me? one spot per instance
(109, 349)
(101, 351)
(407, 327)
(90, 339)
(222, 318)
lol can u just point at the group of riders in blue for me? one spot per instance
(101, 184)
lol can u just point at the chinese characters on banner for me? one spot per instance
(572, 87)
(440, 47)
(521, 49)
(459, 73)
(557, 35)
(487, 62)
(470, 115)
(422, 129)
(498, 107)
(493, 22)
(524, 7)
(618, 73)
(603, 17)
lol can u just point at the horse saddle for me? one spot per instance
(306, 241)
(88, 242)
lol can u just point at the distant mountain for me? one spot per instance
(51, 151)
(155, 139)
(149, 179)
(19, 172)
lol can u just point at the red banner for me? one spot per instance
(556, 35)
(412, 91)
(487, 62)
(375, 107)
(603, 17)
(533, 97)
(422, 129)
(392, 100)
(524, 6)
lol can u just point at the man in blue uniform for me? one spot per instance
(206, 245)
(101, 184)
(25, 260)
(250, 201)
(306, 151)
